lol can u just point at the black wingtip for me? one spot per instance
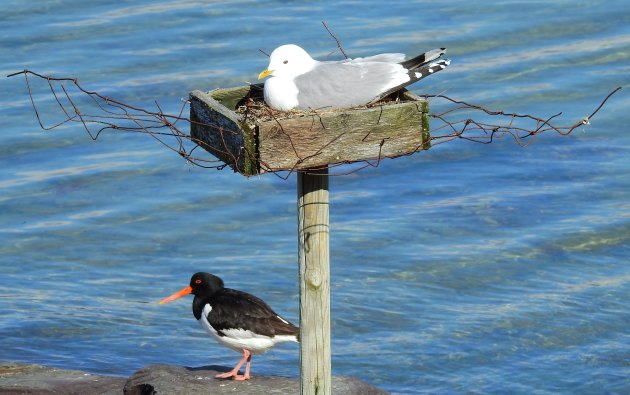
(423, 59)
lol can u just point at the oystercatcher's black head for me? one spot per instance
(201, 284)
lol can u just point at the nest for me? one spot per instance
(253, 107)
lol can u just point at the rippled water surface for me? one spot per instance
(467, 268)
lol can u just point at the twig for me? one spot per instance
(480, 125)
(336, 39)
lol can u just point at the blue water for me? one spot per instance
(467, 268)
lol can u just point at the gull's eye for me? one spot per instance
(285, 62)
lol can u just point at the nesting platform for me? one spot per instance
(237, 127)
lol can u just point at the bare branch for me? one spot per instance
(336, 39)
(457, 120)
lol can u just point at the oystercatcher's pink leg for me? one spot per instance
(247, 365)
(247, 356)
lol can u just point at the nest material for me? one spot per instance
(253, 108)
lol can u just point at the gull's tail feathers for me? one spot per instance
(423, 59)
(424, 70)
(428, 69)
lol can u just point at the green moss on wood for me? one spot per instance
(230, 97)
(426, 129)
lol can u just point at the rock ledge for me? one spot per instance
(16, 378)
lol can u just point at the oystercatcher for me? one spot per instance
(236, 319)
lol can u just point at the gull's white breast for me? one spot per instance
(281, 93)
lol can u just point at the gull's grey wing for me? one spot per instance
(384, 57)
(345, 84)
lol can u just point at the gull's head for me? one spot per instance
(288, 61)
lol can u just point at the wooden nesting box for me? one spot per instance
(235, 126)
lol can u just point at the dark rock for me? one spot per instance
(167, 379)
(18, 378)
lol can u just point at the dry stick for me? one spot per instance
(336, 39)
(52, 89)
(105, 98)
(150, 122)
(601, 104)
(161, 121)
(295, 152)
(30, 94)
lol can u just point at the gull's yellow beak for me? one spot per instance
(264, 73)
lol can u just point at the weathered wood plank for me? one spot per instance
(306, 141)
(342, 137)
(314, 266)
(222, 133)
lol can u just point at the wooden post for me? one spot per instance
(314, 269)
(253, 144)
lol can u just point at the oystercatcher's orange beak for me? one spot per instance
(177, 295)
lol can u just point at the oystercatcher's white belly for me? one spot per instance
(238, 339)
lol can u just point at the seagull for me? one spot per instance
(297, 81)
(236, 319)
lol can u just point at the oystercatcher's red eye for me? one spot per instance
(197, 281)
